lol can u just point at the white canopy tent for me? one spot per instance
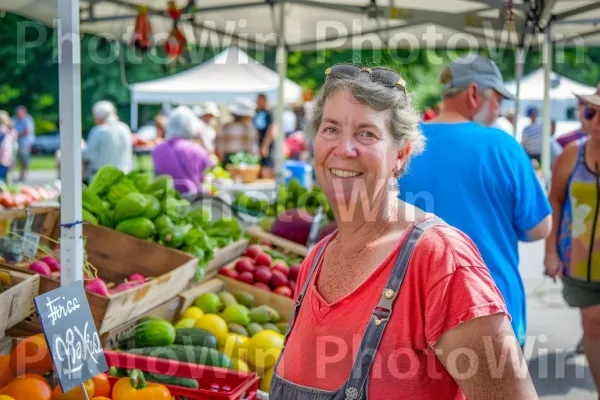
(300, 25)
(561, 93)
(230, 74)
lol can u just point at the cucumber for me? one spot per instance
(192, 354)
(195, 337)
(150, 318)
(150, 333)
(171, 380)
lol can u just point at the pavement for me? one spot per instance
(554, 328)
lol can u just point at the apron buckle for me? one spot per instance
(351, 393)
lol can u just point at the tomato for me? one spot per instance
(31, 355)
(101, 385)
(28, 389)
(75, 393)
(30, 376)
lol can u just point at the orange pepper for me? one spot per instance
(28, 389)
(31, 355)
(76, 393)
(98, 398)
(101, 385)
(136, 388)
(4, 397)
(6, 373)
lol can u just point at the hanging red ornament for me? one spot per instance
(142, 34)
(176, 42)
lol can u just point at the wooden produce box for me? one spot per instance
(16, 302)
(258, 233)
(224, 256)
(116, 256)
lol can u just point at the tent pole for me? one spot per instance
(281, 61)
(69, 76)
(547, 61)
(519, 66)
(134, 116)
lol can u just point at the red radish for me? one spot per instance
(97, 286)
(246, 277)
(231, 273)
(294, 272)
(125, 286)
(278, 279)
(263, 274)
(253, 251)
(41, 268)
(284, 291)
(285, 271)
(292, 285)
(262, 286)
(244, 266)
(263, 259)
(136, 277)
(52, 263)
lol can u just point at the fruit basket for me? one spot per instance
(17, 292)
(244, 173)
(214, 383)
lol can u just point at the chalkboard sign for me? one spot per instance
(71, 335)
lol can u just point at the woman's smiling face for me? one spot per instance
(354, 149)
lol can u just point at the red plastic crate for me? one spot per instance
(242, 386)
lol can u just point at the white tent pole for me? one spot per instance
(281, 62)
(519, 66)
(547, 61)
(69, 76)
(134, 115)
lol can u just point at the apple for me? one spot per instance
(278, 279)
(229, 272)
(263, 259)
(246, 277)
(284, 291)
(292, 285)
(294, 272)
(253, 251)
(244, 265)
(281, 269)
(262, 286)
(263, 274)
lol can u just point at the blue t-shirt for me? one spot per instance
(481, 181)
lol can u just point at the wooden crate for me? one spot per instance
(258, 233)
(116, 256)
(16, 303)
(224, 256)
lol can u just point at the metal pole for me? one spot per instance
(547, 62)
(519, 66)
(134, 115)
(281, 61)
(69, 77)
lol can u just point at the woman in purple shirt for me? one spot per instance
(179, 156)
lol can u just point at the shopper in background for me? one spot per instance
(24, 124)
(8, 144)
(263, 122)
(573, 248)
(479, 179)
(108, 143)
(240, 134)
(208, 114)
(384, 303)
(531, 139)
(160, 124)
(564, 140)
(179, 156)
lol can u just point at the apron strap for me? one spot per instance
(356, 386)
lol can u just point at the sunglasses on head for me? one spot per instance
(589, 113)
(383, 76)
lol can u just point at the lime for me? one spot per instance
(192, 312)
(236, 314)
(185, 323)
(215, 325)
(209, 303)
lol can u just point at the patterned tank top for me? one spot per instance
(579, 236)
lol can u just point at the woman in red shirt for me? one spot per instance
(395, 304)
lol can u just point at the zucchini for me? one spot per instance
(150, 333)
(192, 354)
(195, 337)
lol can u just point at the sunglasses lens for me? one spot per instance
(386, 77)
(344, 69)
(589, 113)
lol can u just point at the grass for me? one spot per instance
(45, 162)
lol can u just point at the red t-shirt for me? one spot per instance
(446, 284)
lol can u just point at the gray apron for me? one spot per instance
(356, 387)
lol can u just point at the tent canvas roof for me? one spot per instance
(562, 88)
(319, 24)
(230, 74)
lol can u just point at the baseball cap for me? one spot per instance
(475, 69)
(593, 99)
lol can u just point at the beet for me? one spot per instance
(293, 225)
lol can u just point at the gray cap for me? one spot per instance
(478, 70)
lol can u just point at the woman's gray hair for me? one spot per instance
(183, 123)
(403, 118)
(104, 111)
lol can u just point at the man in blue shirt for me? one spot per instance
(479, 179)
(25, 127)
